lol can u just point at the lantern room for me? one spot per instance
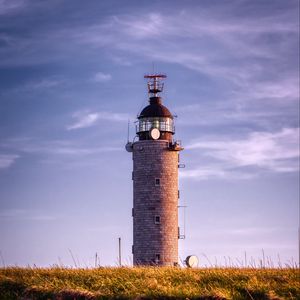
(155, 120)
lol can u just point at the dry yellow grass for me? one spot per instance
(149, 283)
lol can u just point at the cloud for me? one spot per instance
(87, 119)
(109, 116)
(276, 152)
(55, 148)
(25, 214)
(43, 84)
(241, 111)
(252, 231)
(257, 55)
(101, 77)
(259, 148)
(84, 120)
(205, 39)
(213, 232)
(196, 43)
(282, 90)
(11, 6)
(254, 59)
(204, 173)
(215, 172)
(6, 160)
(121, 60)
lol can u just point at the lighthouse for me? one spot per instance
(155, 157)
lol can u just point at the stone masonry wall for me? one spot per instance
(153, 160)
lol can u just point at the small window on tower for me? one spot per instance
(157, 219)
(157, 258)
(157, 181)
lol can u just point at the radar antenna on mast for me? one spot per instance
(154, 83)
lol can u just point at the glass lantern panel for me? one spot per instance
(163, 124)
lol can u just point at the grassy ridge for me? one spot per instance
(149, 283)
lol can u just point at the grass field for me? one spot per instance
(149, 283)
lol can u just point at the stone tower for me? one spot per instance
(155, 183)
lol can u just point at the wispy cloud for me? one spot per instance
(55, 148)
(6, 160)
(110, 116)
(256, 55)
(83, 120)
(101, 77)
(280, 91)
(263, 149)
(121, 60)
(102, 229)
(235, 159)
(11, 6)
(44, 83)
(26, 215)
(242, 231)
(86, 119)
(217, 171)
(209, 33)
(240, 112)
(236, 38)
(256, 58)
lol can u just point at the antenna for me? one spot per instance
(154, 83)
(120, 259)
(184, 220)
(128, 132)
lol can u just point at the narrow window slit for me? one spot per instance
(157, 219)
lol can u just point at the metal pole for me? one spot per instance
(299, 247)
(184, 220)
(120, 258)
(128, 132)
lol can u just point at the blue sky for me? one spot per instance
(71, 75)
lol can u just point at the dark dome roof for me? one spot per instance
(155, 109)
